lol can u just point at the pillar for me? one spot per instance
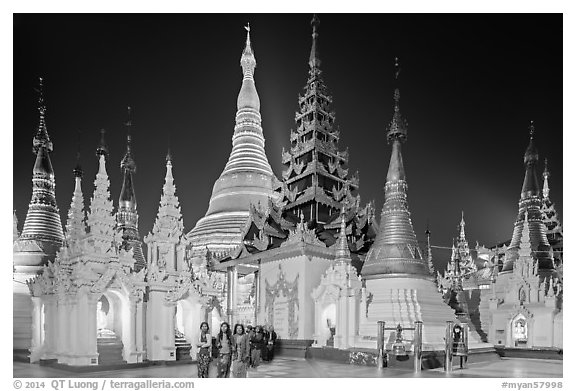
(448, 347)
(381, 344)
(36, 342)
(257, 295)
(160, 327)
(232, 295)
(63, 326)
(417, 346)
(50, 327)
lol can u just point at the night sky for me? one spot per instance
(470, 85)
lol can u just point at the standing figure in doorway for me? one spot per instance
(204, 345)
(240, 351)
(271, 342)
(224, 345)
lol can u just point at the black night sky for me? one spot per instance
(470, 85)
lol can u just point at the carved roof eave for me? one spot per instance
(278, 253)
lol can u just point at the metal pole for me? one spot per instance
(465, 340)
(448, 347)
(417, 346)
(380, 344)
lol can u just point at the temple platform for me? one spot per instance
(111, 367)
(368, 357)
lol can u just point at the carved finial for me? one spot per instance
(314, 60)
(41, 139)
(169, 156)
(102, 148)
(78, 169)
(546, 175)
(396, 68)
(532, 129)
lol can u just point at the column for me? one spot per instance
(232, 295)
(140, 349)
(257, 294)
(50, 327)
(36, 343)
(63, 336)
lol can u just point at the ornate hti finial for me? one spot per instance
(78, 169)
(248, 61)
(41, 138)
(531, 155)
(546, 175)
(128, 162)
(314, 61)
(102, 148)
(398, 127)
(461, 225)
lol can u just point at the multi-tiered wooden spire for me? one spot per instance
(316, 180)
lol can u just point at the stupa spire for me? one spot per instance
(395, 250)
(41, 138)
(530, 204)
(429, 253)
(342, 250)
(100, 219)
(127, 216)
(247, 177)
(76, 224)
(546, 175)
(43, 218)
(462, 225)
(167, 232)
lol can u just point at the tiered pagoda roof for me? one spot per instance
(43, 224)
(247, 177)
(316, 180)
(127, 215)
(530, 203)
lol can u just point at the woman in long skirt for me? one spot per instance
(224, 344)
(256, 346)
(240, 352)
(204, 345)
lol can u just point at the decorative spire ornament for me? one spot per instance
(100, 219)
(76, 224)
(546, 175)
(429, 252)
(247, 177)
(127, 216)
(43, 218)
(530, 204)
(395, 250)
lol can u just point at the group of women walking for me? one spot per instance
(236, 349)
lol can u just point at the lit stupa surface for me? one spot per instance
(247, 177)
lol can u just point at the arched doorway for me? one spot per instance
(520, 331)
(112, 328)
(328, 324)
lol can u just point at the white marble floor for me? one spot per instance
(283, 367)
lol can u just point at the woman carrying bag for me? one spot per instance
(204, 345)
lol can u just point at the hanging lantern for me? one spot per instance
(398, 349)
